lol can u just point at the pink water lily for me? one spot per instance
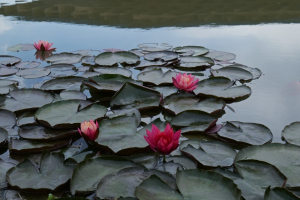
(43, 46)
(89, 130)
(163, 142)
(185, 82)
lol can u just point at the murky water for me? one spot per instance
(262, 34)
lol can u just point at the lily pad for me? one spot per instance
(145, 63)
(157, 122)
(88, 60)
(64, 83)
(220, 56)
(132, 95)
(27, 99)
(186, 162)
(194, 62)
(154, 47)
(157, 77)
(180, 102)
(149, 160)
(62, 70)
(165, 90)
(88, 52)
(21, 47)
(279, 193)
(64, 58)
(40, 133)
(113, 70)
(154, 188)
(7, 85)
(26, 118)
(290, 133)
(71, 94)
(127, 112)
(4, 167)
(3, 136)
(28, 65)
(52, 175)
(256, 73)
(9, 60)
(198, 50)
(7, 71)
(169, 168)
(221, 87)
(67, 114)
(33, 73)
(110, 59)
(233, 73)
(89, 173)
(195, 183)
(165, 56)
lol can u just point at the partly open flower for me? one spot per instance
(185, 82)
(163, 142)
(89, 130)
(43, 46)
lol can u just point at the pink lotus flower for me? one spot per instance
(43, 46)
(185, 82)
(162, 142)
(89, 130)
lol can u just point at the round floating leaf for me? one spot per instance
(88, 74)
(7, 71)
(132, 95)
(198, 50)
(169, 168)
(180, 102)
(144, 63)
(120, 135)
(27, 99)
(233, 73)
(89, 173)
(248, 133)
(154, 47)
(284, 157)
(113, 70)
(220, 87)
(88, 60)
(88, 52)
(41, 133)
(62, 70)
(71, 94)
(3, 136)
(149, 160)
(30, 146)
(279, 193)
(127, 112)
(7, 85)
(123, 57)
(154, 188)
(67, 114)
(184, 161)
(33, 73)
(256, 73)
(290, 133)
(157, 77)
(28, 65)
(4, 167)
(220, 56)
(21, 47)
(52, 175)
(64, 83)
(26, 118)
(9, 60)
(8, 119)
(165, 90)
(123, 184)
(64, 58)
(211, 153)
(204, 184)
(191, 62)
(165, 56)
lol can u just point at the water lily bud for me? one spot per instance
(185, 82)
(89, 130)
(43, 46)
(163, 142)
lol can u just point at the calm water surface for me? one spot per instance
(263, 34)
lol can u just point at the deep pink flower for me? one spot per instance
(162, 142)
(185, 82)
(89, 130)
(43, 46)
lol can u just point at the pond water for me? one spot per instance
(263, 35)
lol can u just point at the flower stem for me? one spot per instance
(164, 161)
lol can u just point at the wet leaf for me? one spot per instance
(62, 70)
(220, 56)
(21, 47)
(198, 50)
(157, 77)
(113, 70)
(165, 56)
(7, 71)
(28, 65)
(64, 83)
(26, 118)
(4, 167)
(7, 85)
(194, 62)
(71, 94)
(233, 73)
(154, 47)
(279, 193)
(64, 58)
(110, 59)
(290, 133)
(33, 73)
(9, 60)
(3, 136)
(144, 63)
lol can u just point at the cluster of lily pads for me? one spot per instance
(43, 155)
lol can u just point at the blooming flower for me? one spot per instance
(89, 130)
(43, 46)
(185, 82)
(162, 142)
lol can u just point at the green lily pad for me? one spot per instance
(30, 146)
(87, 52)
(70, 151)
(64, 83)
(127, 112)
(194, 62)
(198, 50)
(110, 59)
(9, 60)
(33, 73)
(28, 65)
(7, 85)
(166, 90)
(283, 156)
(21, 47)
(157, 77)
(145, 63)
(119, 135)
(8, 119)
(26, 118)
(221, 87)
(256, 73)
(67, 114)
(180, 102)
(169, 168)
(211, 153)
(52, 175)
(3, 136)
(88, 60)
(113, 70)
(140, 97)
(7, 71)
(290, 133)
(195, 183)
(186, 162)
(233, 73)
(154, 47)
(71, 94)
(40, 133)
(165, 56)
(62, 70)
(88, 74)
(253, 178)
(64, 58)
(89, 173)
(279, 193)
(149, 160)
(27, 99)
(220, 56)
(4, 167)
(124, 183)
(154, 188)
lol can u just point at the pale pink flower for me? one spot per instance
(89, 130)
(43, 46)
(185, 82)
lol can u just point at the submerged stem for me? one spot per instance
(164, 161)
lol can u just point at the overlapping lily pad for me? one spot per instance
(7, 71)
(233, 73)
(4, 167)
(165, 56)
(198, 50)
(28, 65)
(62, 70)
(123, 57)
(279, 193)
(33, 73)
(7, 85)
(64, 58)
(290, 133)
(67, 113)
(220, 56)
(157, 77)
(72, 94)
(145, 63)
(21, 47)
(26, 118)
(154, 47)
(113, 70)
(3, 136)
(64, 83)
(194, 62)
(256, 73)
(9, 60)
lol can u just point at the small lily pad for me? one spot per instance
(110, 59)
(145, 63)
(7, 71)
(33, 73)
(28, 65)
(113, 70)
(194, 62)
(9, 60)
(233, 73)
(157, 77)
(198, 50)
(62, 70)
(220, 56)
(71, 94)
(256, 73)
(165, 56)
(3, 136)
(64, 58)
(4, 167)
(290, 133)
(7, 85)
(88, 60)
(279, 193)
(63, 83)
(21, 47)
(154, 47)
(26, 118)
